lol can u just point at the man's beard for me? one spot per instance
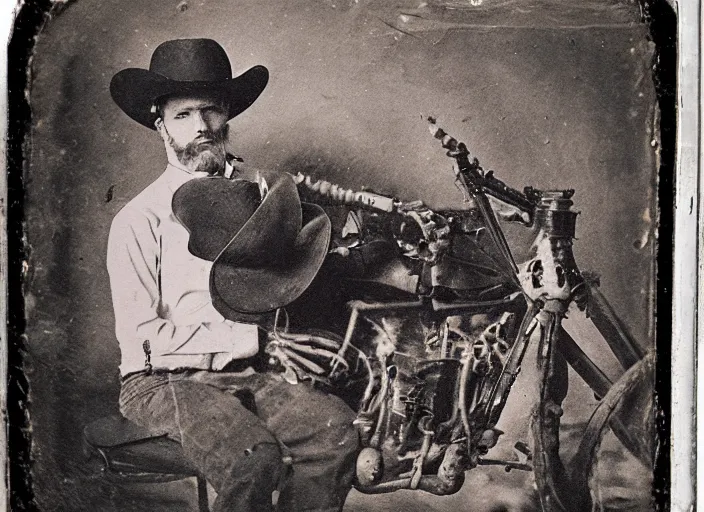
(203, 157)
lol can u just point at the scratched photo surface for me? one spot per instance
(548, 94)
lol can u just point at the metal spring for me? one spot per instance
(345, 195)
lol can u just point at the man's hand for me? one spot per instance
(303, 356)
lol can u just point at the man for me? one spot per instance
(187, 370)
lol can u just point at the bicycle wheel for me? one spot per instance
(599, 465)
(624, 418)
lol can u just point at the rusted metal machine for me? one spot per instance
(437, 337)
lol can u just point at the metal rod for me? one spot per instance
(491, 223)
(508, 465)
(462, 402)
(550, 476)
(513, 363)
(348, 338)
(358, 305)
(585, 367)
(625, 348)
(477, 305)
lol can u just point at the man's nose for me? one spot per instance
(199, 122)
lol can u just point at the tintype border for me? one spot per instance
(676, 341)
(32, 15)
(686, 286)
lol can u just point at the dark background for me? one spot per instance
(548, 94)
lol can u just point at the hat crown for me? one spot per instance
(191, 60)
(185, 67)
(216, 210)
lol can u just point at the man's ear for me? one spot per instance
(159, 125)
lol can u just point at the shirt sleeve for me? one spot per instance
(133, 266)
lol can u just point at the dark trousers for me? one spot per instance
(252, 435)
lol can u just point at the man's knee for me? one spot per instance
(254, 479)
(336, 432)
(265, 462)
(314, 424)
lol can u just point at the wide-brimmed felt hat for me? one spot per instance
(181, 67)
(265, 252)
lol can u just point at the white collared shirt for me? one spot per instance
(160, 290)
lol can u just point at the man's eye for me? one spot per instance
(181, 115)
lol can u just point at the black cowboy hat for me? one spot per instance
(265, 252)
(185, 66)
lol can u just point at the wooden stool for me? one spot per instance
(131, 454)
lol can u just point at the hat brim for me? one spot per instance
(135, 90)
(236, 289)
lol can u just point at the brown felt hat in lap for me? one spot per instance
(181, 67)
(265, 252)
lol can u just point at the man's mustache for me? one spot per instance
(205, 142)
(206, 153)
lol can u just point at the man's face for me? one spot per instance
(196, 128)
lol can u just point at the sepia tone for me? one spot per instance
(554, 95)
